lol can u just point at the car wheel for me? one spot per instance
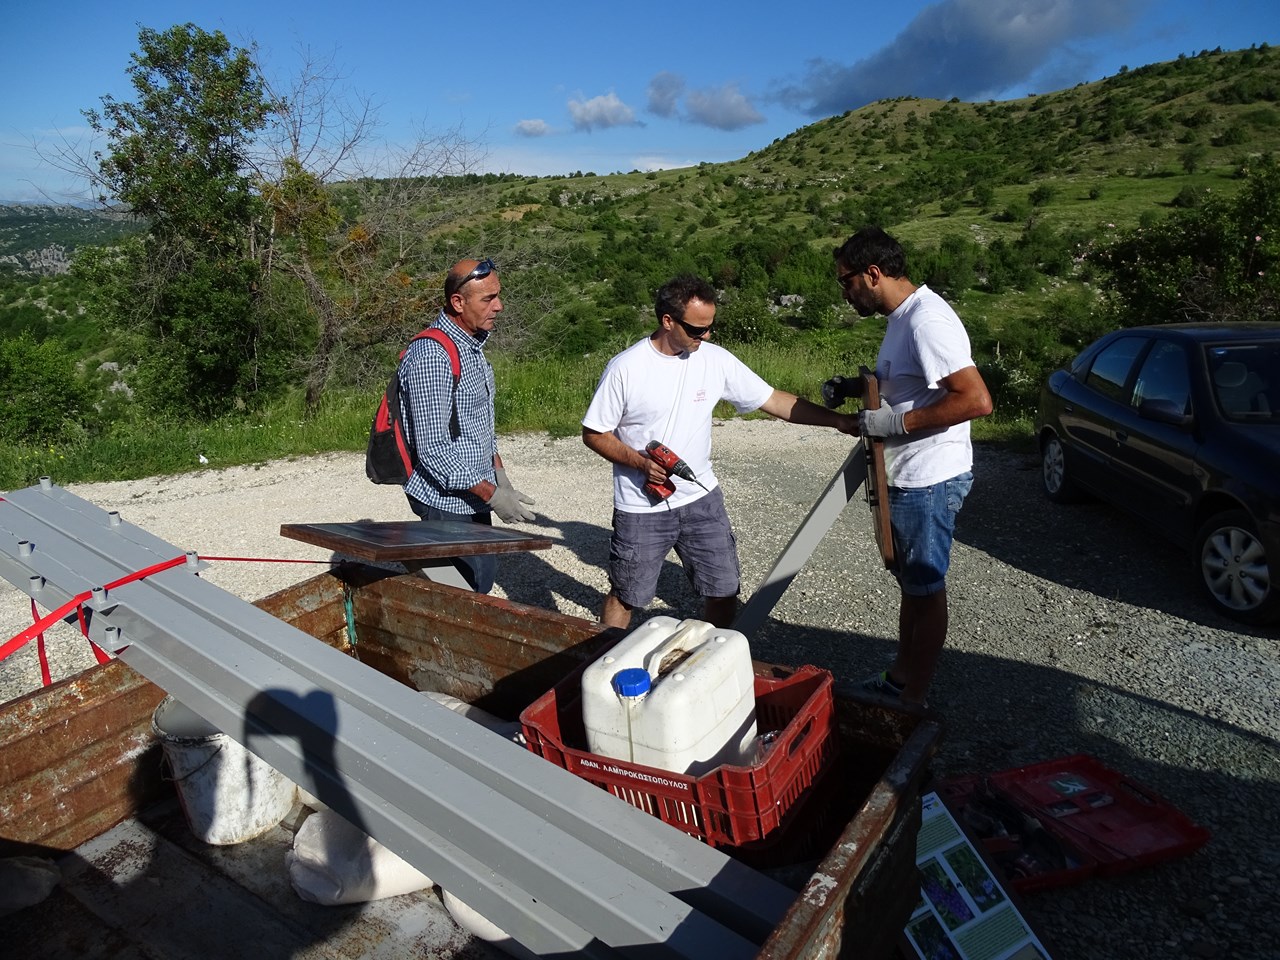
(1058, 486)
(1235, 570)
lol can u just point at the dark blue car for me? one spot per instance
(1179, 425)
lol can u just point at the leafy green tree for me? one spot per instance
(1219, 261)
(984, 194)
(1193, 157)
(1041, 194)
(178, 156)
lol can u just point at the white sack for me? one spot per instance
(481, 928)
(507, 729)
(333, 862)
(25, 881)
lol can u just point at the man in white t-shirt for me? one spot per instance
(665, 388)
(929, 391)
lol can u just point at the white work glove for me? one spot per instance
(508, 502)
(885, 422)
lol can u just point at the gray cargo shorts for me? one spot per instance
(702, 537)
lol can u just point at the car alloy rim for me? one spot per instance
(1053, 466)
(1234, 565)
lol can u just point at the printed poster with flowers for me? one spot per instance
(964, 912)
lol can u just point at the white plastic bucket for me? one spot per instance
(227, 794)
(697, 710)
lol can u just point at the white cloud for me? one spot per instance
(533, 128)
(722, 108)
(601, 113)
(648, 164)
(664, 90)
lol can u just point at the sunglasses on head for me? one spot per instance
(696, 332)
(482, 270)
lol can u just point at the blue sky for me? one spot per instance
(556, 87)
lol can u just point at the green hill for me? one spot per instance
(40, 238)
(1107, 152)
(997, 203)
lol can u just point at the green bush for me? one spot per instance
(747, 319)
(42, 397)
(1219, 261)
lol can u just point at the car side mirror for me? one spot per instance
(1164, 411)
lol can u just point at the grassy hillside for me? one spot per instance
(1106, 152)
(1060, 170)
(28, 228)
(996, 202)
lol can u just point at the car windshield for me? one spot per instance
(1246, 380)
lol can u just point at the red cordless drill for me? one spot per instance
(668, 459)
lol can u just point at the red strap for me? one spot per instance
(36, 630)
(446, 341)
(43, 656)
(144, 572)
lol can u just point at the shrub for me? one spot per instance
(747, 319)
(42, 397)
(1218, 261)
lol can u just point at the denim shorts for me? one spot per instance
(924, 522)
(702, 537)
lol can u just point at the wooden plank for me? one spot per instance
(380, 541)
(877, 481)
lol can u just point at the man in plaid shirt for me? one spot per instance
(459, 474)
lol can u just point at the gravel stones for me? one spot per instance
(1072, 630)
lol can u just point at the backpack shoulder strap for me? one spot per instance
(450, 348)
(455, 366)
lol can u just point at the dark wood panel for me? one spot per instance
(398, 540)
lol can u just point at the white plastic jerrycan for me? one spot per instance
(679, 695)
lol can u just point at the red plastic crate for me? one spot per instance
(727, 806)
(1103, 822)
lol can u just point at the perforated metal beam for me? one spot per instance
(557, 863)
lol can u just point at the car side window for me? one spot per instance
(1110, 370)
(1246, 380)
(1164, 377)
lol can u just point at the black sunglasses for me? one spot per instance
(696, 332)
(845, 279)
(482, 270)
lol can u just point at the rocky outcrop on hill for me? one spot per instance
(53, 259)
(43, 238)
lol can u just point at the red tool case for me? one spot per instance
(1058, 822)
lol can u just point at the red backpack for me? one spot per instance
(390, 457)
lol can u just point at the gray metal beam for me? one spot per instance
(842, 488)
(662, 856)
(545, 855)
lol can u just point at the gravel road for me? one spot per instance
(1072, 631)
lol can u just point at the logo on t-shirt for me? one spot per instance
(700, 395)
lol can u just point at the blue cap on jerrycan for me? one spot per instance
(632, 682)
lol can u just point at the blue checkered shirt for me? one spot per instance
(448, 466)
